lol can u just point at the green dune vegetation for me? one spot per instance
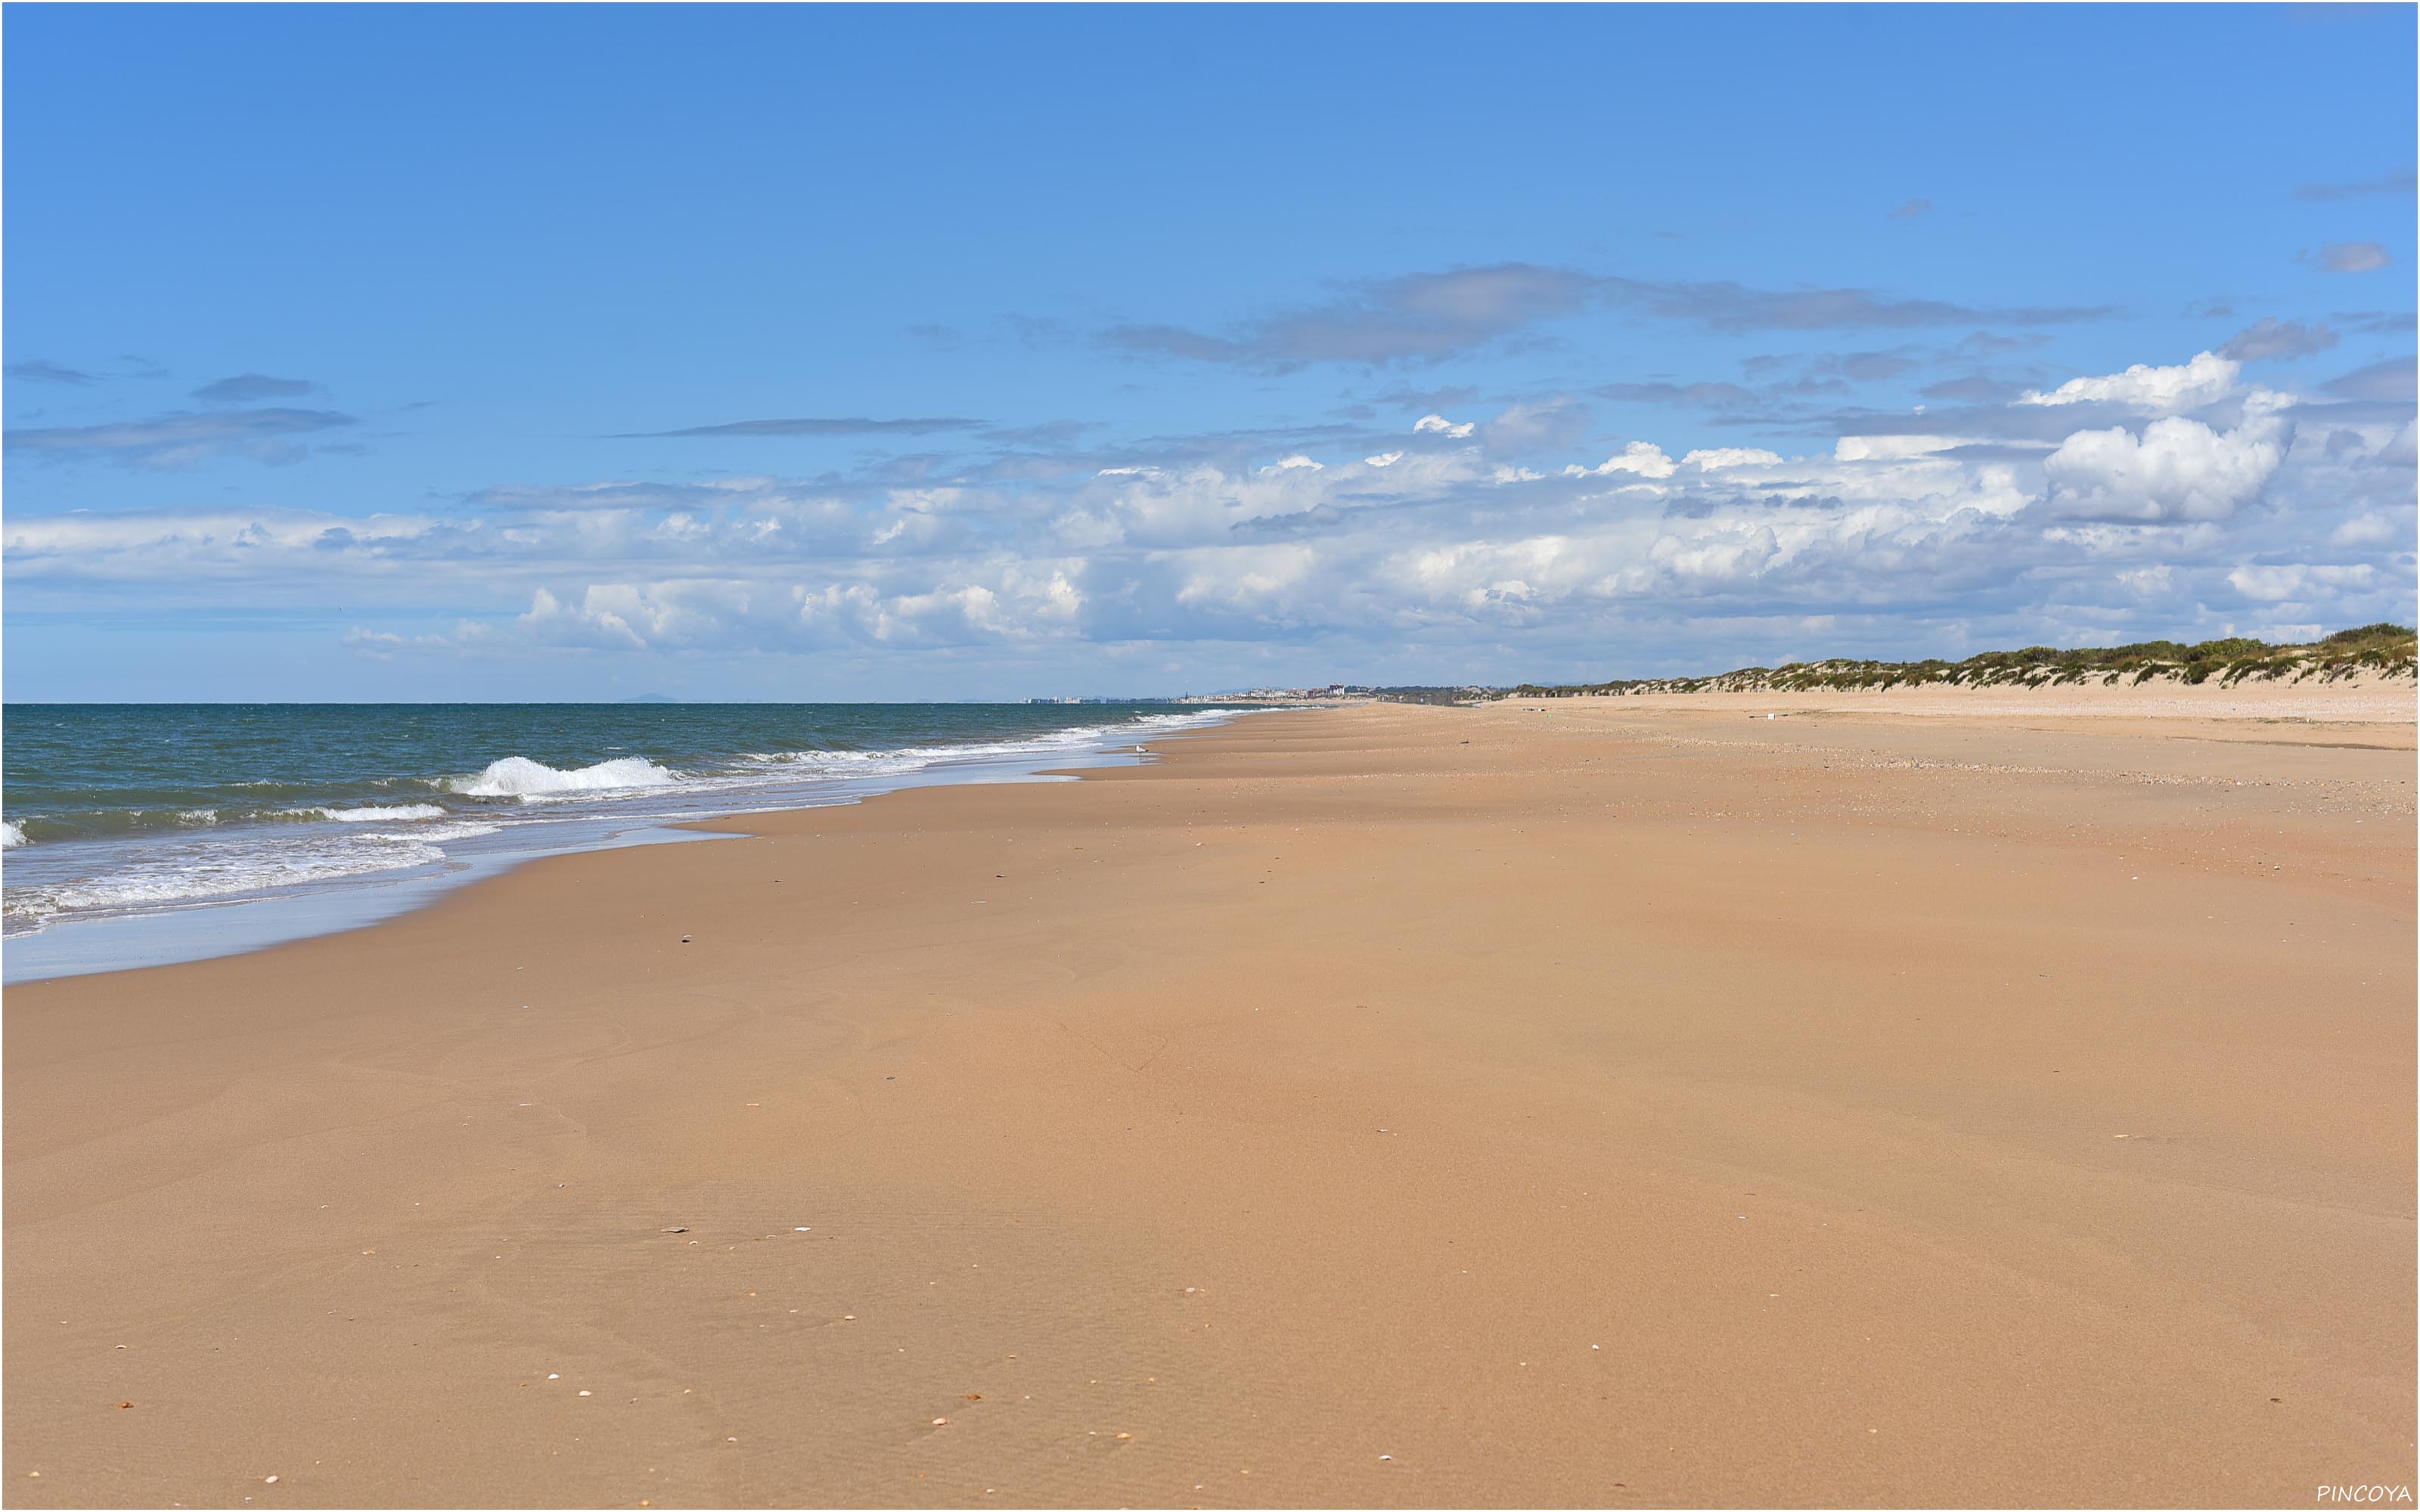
(2382, 649)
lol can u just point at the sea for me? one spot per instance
(136, 835)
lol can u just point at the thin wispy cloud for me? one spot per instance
(1045, 433)
(1418, 318)
(2388, 382)
(2270, 339)
(180, 438)
(1792, 389)
(2377, 322)
(1445, 396)
(1972, 388)
(1912, 210)
(842, 425)
(251, 387)
(2393, 183)
(1868, 367)
(38, 370)
(2349, 256)
(1737, 309)
(1426, 318)
(1711, 394)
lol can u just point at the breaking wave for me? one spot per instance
(517, 777)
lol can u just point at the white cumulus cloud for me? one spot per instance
(2164, 390)
(2177, 469)
(2274, 584)
(1645, 458)
(1715, 458)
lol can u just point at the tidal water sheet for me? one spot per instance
(140, 834)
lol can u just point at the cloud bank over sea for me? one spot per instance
(2163, 497)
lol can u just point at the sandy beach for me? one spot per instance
(1620, 1101)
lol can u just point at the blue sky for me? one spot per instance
(764, 352)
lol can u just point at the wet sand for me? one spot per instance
(1631, 1104)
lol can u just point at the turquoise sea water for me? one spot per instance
(136, 833)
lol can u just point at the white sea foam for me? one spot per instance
(375, 813)
(517, 777)
(916, 757)
(225, 870)
(12, 836)
(463, 829)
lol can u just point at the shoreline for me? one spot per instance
(206, 928)
(1631, 1106)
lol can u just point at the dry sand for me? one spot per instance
(1625, 1104)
